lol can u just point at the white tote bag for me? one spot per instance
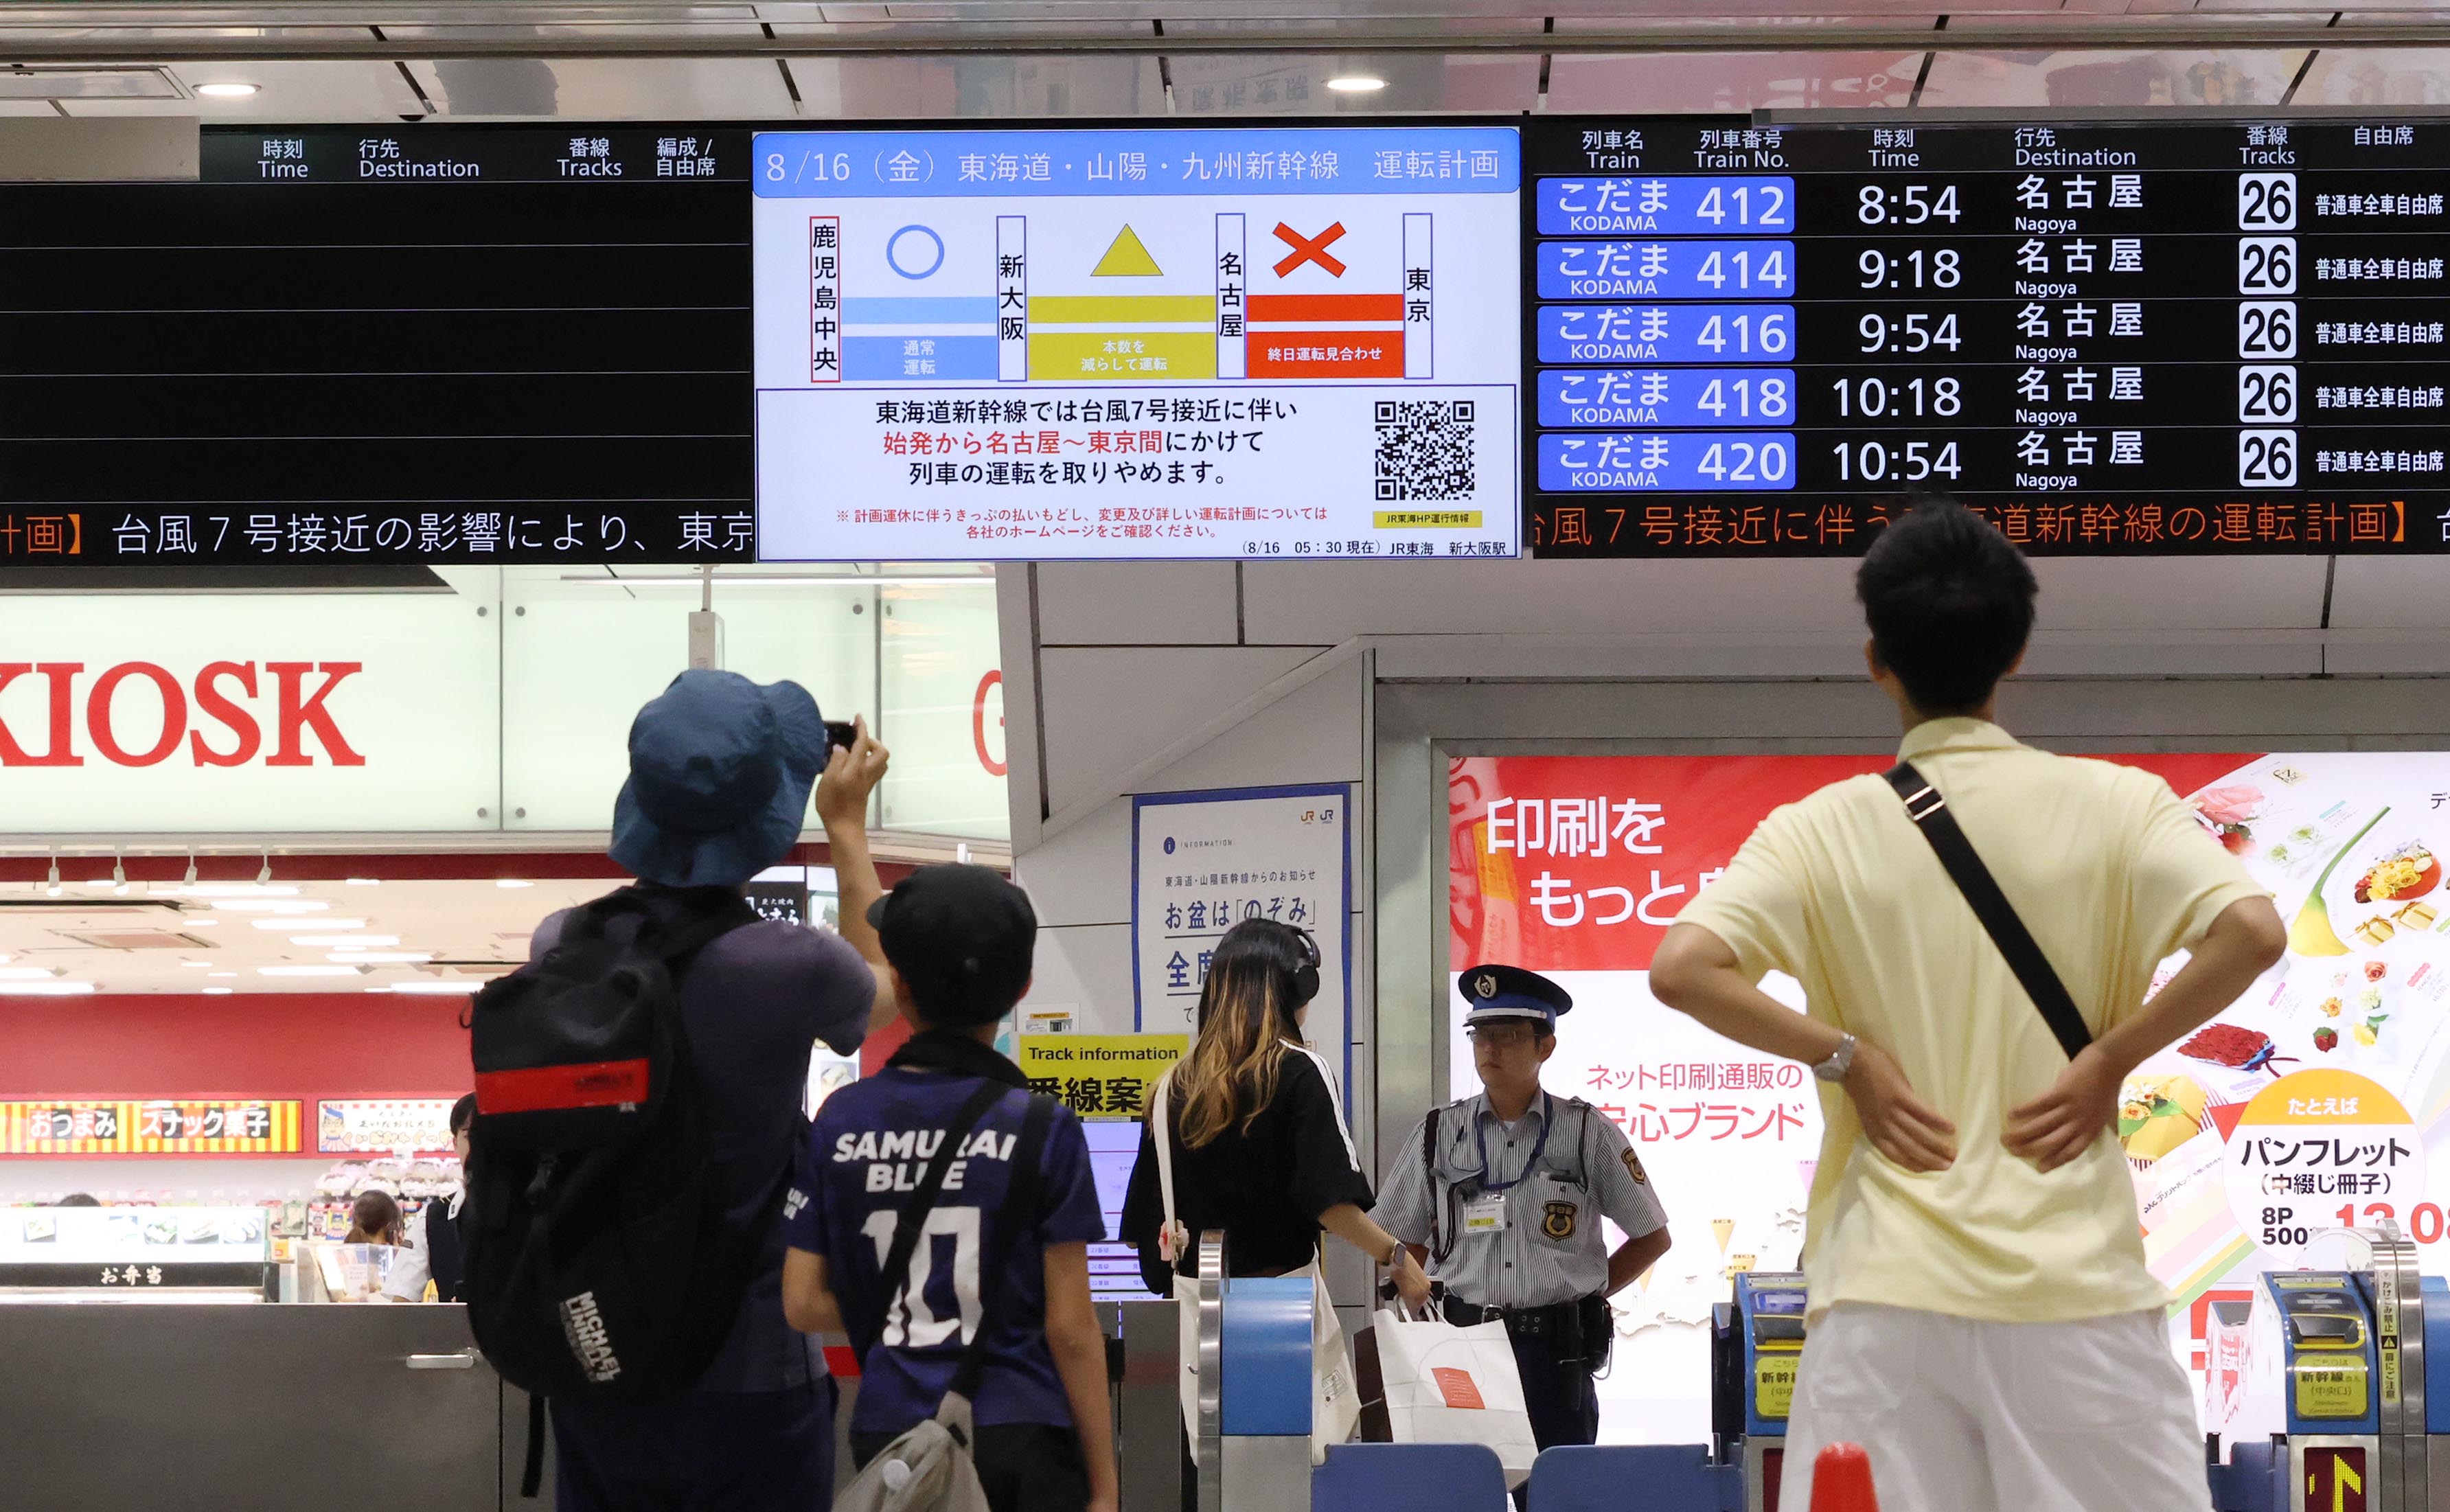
(1335, 1399)
(1447, 1384)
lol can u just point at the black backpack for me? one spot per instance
(601, 1263)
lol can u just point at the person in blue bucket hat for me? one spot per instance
(720, 772)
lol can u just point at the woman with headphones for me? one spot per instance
(1258, 1143)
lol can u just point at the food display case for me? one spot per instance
(117, 1254)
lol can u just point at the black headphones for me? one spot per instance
(1305, 976)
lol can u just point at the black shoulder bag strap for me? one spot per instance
(922, 1198)
(1435, 1200)
(1019, 1209)
(1929, 811)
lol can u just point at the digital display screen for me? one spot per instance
(1263, 342)
(2109, 337)
(360, 346)
(1114, 1267)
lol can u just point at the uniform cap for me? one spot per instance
(1492, 992)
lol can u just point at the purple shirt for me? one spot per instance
(753, 1003)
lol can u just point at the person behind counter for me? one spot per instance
(375, 1219)
(434, 1249)
(1260, 1149)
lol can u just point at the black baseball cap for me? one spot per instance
(963, 936)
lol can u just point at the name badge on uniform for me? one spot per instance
(1484, 1214)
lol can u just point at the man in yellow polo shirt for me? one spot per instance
(1981, 1318)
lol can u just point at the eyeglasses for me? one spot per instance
(1502, 1037)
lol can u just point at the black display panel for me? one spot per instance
(439, 344)
(2109, 338)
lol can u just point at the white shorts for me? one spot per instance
(1961, 1415)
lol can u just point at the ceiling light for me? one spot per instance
(199, 923)
(189, 880)
(438, 988)
(306, 971)
(382, 957)
(278, 923)
(226, 91)
(1356, 83)
(118, 876)
(6, 958)
(790, 580)
(511, 882)
(271, 905)
(221, 974)
(45, 989)
(53, 886)
(365, 882)
(219, 992)
(27, 973)
(199, 965)
(345, 941)
(192, 888)
(263, 873)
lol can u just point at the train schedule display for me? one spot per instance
(2110, 339)
(1263, 342)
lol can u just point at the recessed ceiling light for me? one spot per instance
(199, 923)
(1356, 82)
(436, 988)
(231, 890)
(272, 905)
(511, 882)
(219, 992)
(199, 965)
(226, 91)
(384, 958)
(220, 974)
(45, 989)
(309, 924)
(306, 971)
(6, 958)
(345, 941)
(27, 974)
(365, 882)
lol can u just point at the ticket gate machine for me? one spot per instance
(1756, 1347)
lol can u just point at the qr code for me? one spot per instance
(1425, 450)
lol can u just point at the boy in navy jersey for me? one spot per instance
(958, 941)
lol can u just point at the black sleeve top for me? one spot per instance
(1265, 1186)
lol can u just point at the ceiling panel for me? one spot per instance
(1055, 85)
(2227, 78)
(1214, 84)
(1656, 83)
(287, 90)
(2377, 77)
(2380, 593)
(608, 88)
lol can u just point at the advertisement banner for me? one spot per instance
(1203, 862)
(382, 1126)
(2318, 1099)
(89, 1126)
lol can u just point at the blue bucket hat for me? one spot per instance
(720, 770)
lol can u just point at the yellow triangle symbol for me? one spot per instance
(1126, 258)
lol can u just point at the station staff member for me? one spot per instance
(1504, 1193)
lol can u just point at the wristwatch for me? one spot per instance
(1835, 1068)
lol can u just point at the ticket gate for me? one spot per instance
(1756, 1349)
(2331, 1390)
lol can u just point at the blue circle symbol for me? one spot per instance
(1169, 844)
(893, 251)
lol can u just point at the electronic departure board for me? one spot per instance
(2111, 338)
(371, 345)
(1250, 343)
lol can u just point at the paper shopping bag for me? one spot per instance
(1445, 1384)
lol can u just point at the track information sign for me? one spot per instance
(2111, 339)
(1113, 344)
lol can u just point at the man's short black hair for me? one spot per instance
(1949, 603)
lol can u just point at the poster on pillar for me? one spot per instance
(1204, 861)
(1258, 341)
(2322, 1095)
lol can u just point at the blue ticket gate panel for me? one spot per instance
(1756, 1351)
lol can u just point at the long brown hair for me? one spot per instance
(374, 1220)
(1246, 1015)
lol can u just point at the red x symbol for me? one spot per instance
(1308, 249)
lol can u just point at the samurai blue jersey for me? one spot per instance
(867, 1150)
